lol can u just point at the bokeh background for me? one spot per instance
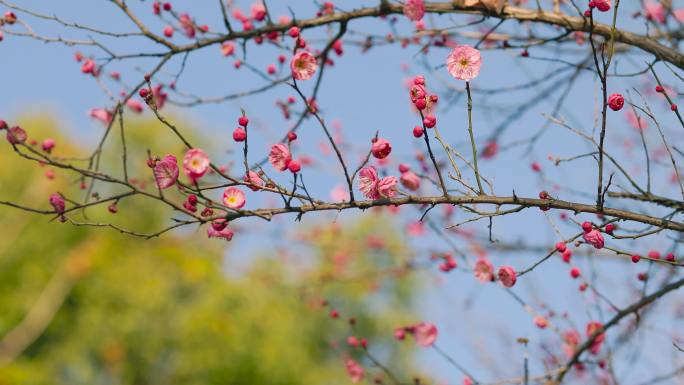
(91, 306)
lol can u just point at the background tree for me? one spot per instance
(84, 306)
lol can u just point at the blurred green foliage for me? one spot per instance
(84, 305)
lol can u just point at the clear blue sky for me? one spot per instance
(365, 93)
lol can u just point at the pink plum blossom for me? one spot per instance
(484, 270)
(507, 276)
(655, 11)
(339, 194)
(159, 96)
(593, 327)
(571, 338)
(636, 121)
(425, 334)
(280, 156)
(541, 322)
(679, 14)
(195, 163)
(303, 65)
(414, 9)
(101, 114)
(387, 187)
(354, 369)
(16, 135)
(88, 66)
(166, 172)
(464, 62)
(234, 198)
(258, 11)
(594, 238)
(410, 180)
(135, 106)
(368, 181)
(373, 187)
(255, 180)
(224, 233)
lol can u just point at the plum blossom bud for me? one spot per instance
(594, 238)
(239, 135)
(602, 5)
(507, 276)
(541, 322)
(16, 135)
(57, 202)
(616, 102)
(425, 334)
(294, 166)
(484, 270)
(48, 145)
(279, 157)
(293, 32)
(410, 180)
(381, 148)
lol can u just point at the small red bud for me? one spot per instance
(239, 135)
(293, 32)
(192, 198)
(560, 246)
(151, 162)
(536, 167)
(168, 31)
(219, 224)
(294, 166)
(429, 121)
(567, 255)
(575, 272)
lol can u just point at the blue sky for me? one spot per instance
(365, 93)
